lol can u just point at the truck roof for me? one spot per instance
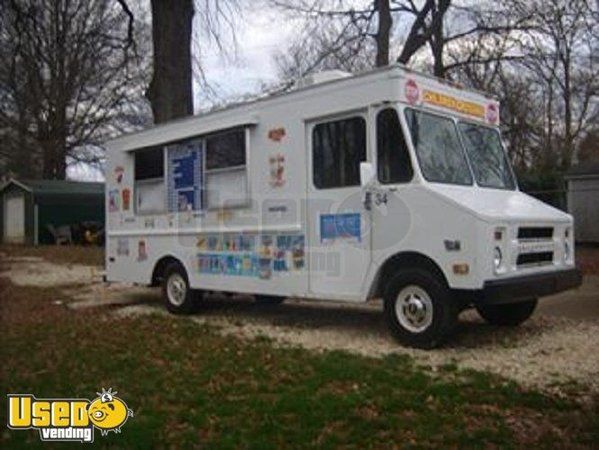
(244, 113)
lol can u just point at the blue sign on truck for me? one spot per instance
(340, 226)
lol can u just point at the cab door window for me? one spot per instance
(393, 158)
(338, 149)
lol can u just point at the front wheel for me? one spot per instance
(178, 297)
(419, 309)
(508, 315)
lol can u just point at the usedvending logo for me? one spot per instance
(68, 419)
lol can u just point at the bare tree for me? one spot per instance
(550, 48)
(69, 77)
(177, 57)
(335, 35)
(562, 52)
(545, 72)
(170, 91)
(426, 27)
(333, 26)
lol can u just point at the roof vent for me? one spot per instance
(322, 77)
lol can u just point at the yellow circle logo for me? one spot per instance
(108, 412)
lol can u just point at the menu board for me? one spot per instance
(185, 184)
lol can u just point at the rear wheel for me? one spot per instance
(419, 309)
(269, 299)
(510, 314)
(178, 297)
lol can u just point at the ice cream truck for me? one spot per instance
(389, 184)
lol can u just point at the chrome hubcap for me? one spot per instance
(176, 289)
(414, 309)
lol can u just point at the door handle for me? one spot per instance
(367, 200)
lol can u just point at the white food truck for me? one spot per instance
(388, 184)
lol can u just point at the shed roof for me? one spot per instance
(584, 169)
(66, 187)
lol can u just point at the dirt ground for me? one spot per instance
(581, 304)
(587, 259)
(555, 350)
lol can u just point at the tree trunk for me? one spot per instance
(437, 40)
(438, 36)
(437, 43)
(568, 148)
(383, 32)
(170, 91)
(421, 32)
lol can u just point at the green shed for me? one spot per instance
(29, 206)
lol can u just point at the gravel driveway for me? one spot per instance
(558, 346)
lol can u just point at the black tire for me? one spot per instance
(509, 314)
(441, 318)
(189, 300)
(269, 299)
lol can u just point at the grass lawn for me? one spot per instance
(191, 387)
(72, 254)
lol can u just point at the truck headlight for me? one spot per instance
(567, 245)
(497, 258)
(566, 251)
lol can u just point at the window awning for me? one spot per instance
(179, 130)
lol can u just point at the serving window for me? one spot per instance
(150, 192)
(202, 173)
(226, 169)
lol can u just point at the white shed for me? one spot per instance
(583, 200)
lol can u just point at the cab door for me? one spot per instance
(338, 223)
(392, 217)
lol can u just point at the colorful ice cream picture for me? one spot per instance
(202, 243)
(142, 251)
(266, 246)
(233, 264)
(247, 243)
(126, 197)
(249, 265)
(119, 171)
(265, 268)
(250, 255)
(122, 248)
(215, 243)
(280, 263)
(216, 264)
(113, 201)
(277, 170)
(298, 252)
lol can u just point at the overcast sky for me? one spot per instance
(261, 33)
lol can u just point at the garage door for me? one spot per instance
(14, 219)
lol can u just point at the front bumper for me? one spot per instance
(515, 289)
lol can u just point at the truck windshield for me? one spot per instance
(440, 154)
(487, 158)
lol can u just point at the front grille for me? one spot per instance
(535, 258)
(535, 232)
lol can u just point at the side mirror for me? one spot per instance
(367, 174)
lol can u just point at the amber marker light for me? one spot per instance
(461, 269)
